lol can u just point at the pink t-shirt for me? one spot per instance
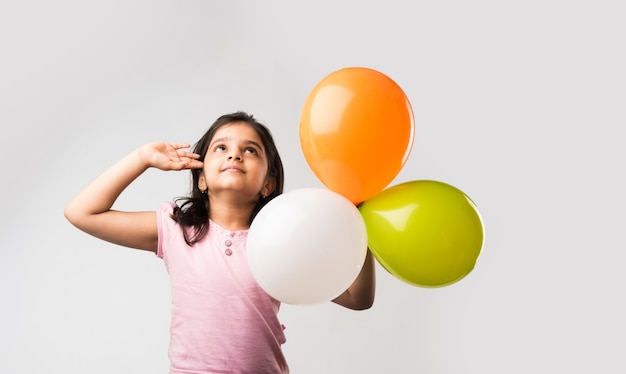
(221, 319)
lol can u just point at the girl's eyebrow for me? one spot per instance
(224, 139)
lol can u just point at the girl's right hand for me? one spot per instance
(169, 156)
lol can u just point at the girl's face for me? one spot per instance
(236, 162)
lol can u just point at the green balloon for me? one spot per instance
(426, 233)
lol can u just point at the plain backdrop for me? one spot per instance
(520, 104)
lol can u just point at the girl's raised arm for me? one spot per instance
(91, 212)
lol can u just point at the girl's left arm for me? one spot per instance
(360, 295)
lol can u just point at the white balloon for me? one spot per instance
(307, 246)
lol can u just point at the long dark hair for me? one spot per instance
(192, 212)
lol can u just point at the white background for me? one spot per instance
(520, 104)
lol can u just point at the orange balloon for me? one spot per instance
(356, 131)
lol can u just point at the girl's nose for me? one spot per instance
(235, 155)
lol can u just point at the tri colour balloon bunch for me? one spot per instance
(308, 245)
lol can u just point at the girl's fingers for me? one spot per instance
(181, 153)
(190, 155)
(180, 145)
(195, 164)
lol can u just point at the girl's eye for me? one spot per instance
(220, 148)
(251, 150)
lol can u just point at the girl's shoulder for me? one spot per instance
(166, 207)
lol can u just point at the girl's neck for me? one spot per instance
(231, 216)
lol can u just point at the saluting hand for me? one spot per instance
(169, 156)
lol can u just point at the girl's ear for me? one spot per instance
(268, 187)
(202, 183)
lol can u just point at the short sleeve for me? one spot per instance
(165, 225)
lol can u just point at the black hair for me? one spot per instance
(192, 214)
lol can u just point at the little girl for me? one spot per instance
(221, 320)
